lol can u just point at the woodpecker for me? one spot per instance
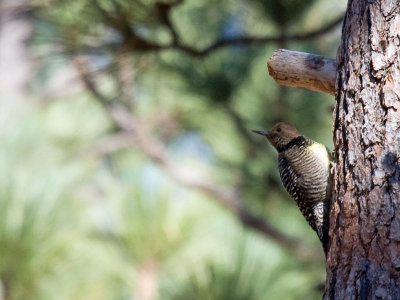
(304, 166)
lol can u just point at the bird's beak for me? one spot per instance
(261, 132)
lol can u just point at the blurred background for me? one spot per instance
(128, 169)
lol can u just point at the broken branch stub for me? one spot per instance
(305, 70)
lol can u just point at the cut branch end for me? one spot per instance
(305, 70)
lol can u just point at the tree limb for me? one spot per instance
(299, 69)
(133, 42)
(253, 40)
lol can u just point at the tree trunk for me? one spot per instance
(364, 256)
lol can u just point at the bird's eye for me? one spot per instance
(279, 130)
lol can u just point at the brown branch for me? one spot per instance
(299, 69)
(246, 40)
(135, 43)
(251, 40)
(140, 136)
(154, 150)
(163, 11)
(108, 144)
(226, 197)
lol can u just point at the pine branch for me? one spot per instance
(133, 42)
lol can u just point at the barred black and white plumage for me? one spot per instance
(304, 167)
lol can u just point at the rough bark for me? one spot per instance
(364, 257)
(305, 70)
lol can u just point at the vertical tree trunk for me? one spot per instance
(364, 256)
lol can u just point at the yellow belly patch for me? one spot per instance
(320, 151)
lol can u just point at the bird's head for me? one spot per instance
(280, 135)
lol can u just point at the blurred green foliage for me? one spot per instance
(76, 223)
